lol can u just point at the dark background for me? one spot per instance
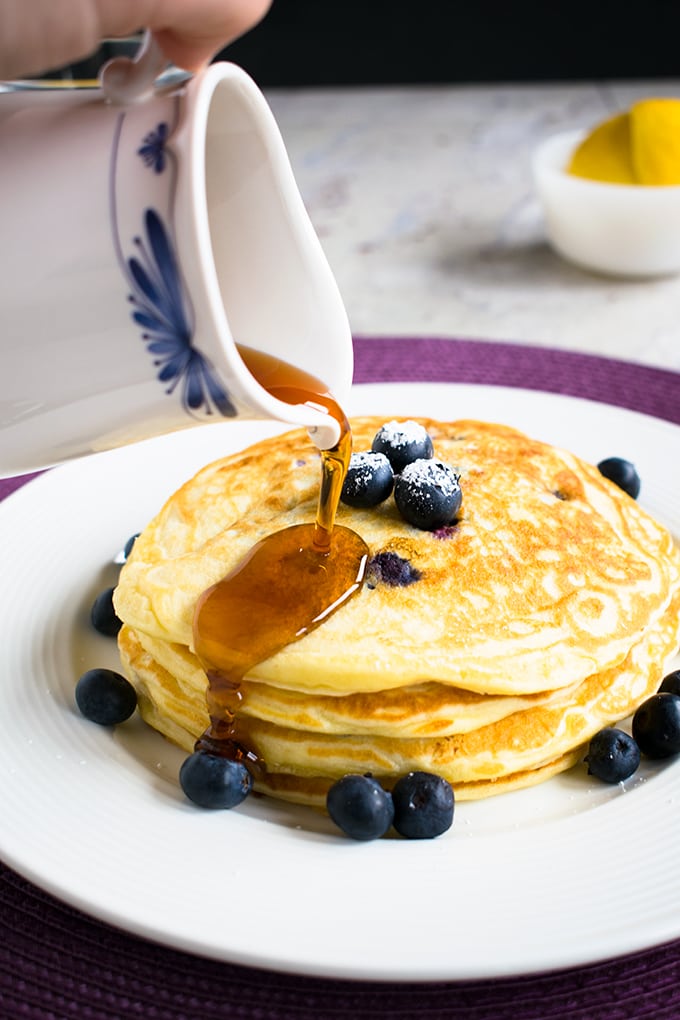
(367, 42)
(391, 42)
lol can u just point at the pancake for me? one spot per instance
(488, 651)
(481, 761)
(164, 705)
(312, 791)
(548, 576)
(421, 710)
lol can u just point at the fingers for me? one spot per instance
(191, 51)
(37, 36)
(40, 35)
(190, 34)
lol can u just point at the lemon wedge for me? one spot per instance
(641, 146)
(655, 141)
(605, 154)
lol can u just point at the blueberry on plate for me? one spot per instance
(369, 480)
(656, 726)
(622, 473)
(671, 683)
(402, 442)
(427, 494)
(103, 615)
(105, 697)
(360, 807)
(423, 805)
(211, 781)
(613, 755)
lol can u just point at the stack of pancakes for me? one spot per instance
(488, 651)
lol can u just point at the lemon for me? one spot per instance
(641, 146)
(655, 141)
(605, 154)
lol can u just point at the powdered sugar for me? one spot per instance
(369, 479)
(431, 474)
(427, 494)
(365, 463)
(402, 433)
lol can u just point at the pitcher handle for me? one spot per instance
(126, 80)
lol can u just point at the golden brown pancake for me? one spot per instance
(428, 709)
(164, 705)
(488, 651)
(523, 743)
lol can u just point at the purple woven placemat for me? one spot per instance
(59, 964)
(386, 359)
(621, 383)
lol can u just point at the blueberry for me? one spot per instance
(369, 480)
(613, 755)
(671, 683)
(360, 807)
(622, 473)
(423, 805)
(656, 726)
(105, 697)
(212, 781)
(402, 442)
(427, 494)
(103, 615)
(391, 569)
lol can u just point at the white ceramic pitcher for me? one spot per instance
(146, 231)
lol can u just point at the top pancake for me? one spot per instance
(546, 578)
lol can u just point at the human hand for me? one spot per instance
(39, 35)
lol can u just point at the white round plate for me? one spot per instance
(566, 873)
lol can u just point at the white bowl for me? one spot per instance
(619, 229)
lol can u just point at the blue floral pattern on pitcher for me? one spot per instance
(152, 149)
(161, 304)
(160, 308)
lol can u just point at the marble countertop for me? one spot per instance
(423, 200)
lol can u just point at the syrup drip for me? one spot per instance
(288, 584)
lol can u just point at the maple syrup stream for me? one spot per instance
(289, 582)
